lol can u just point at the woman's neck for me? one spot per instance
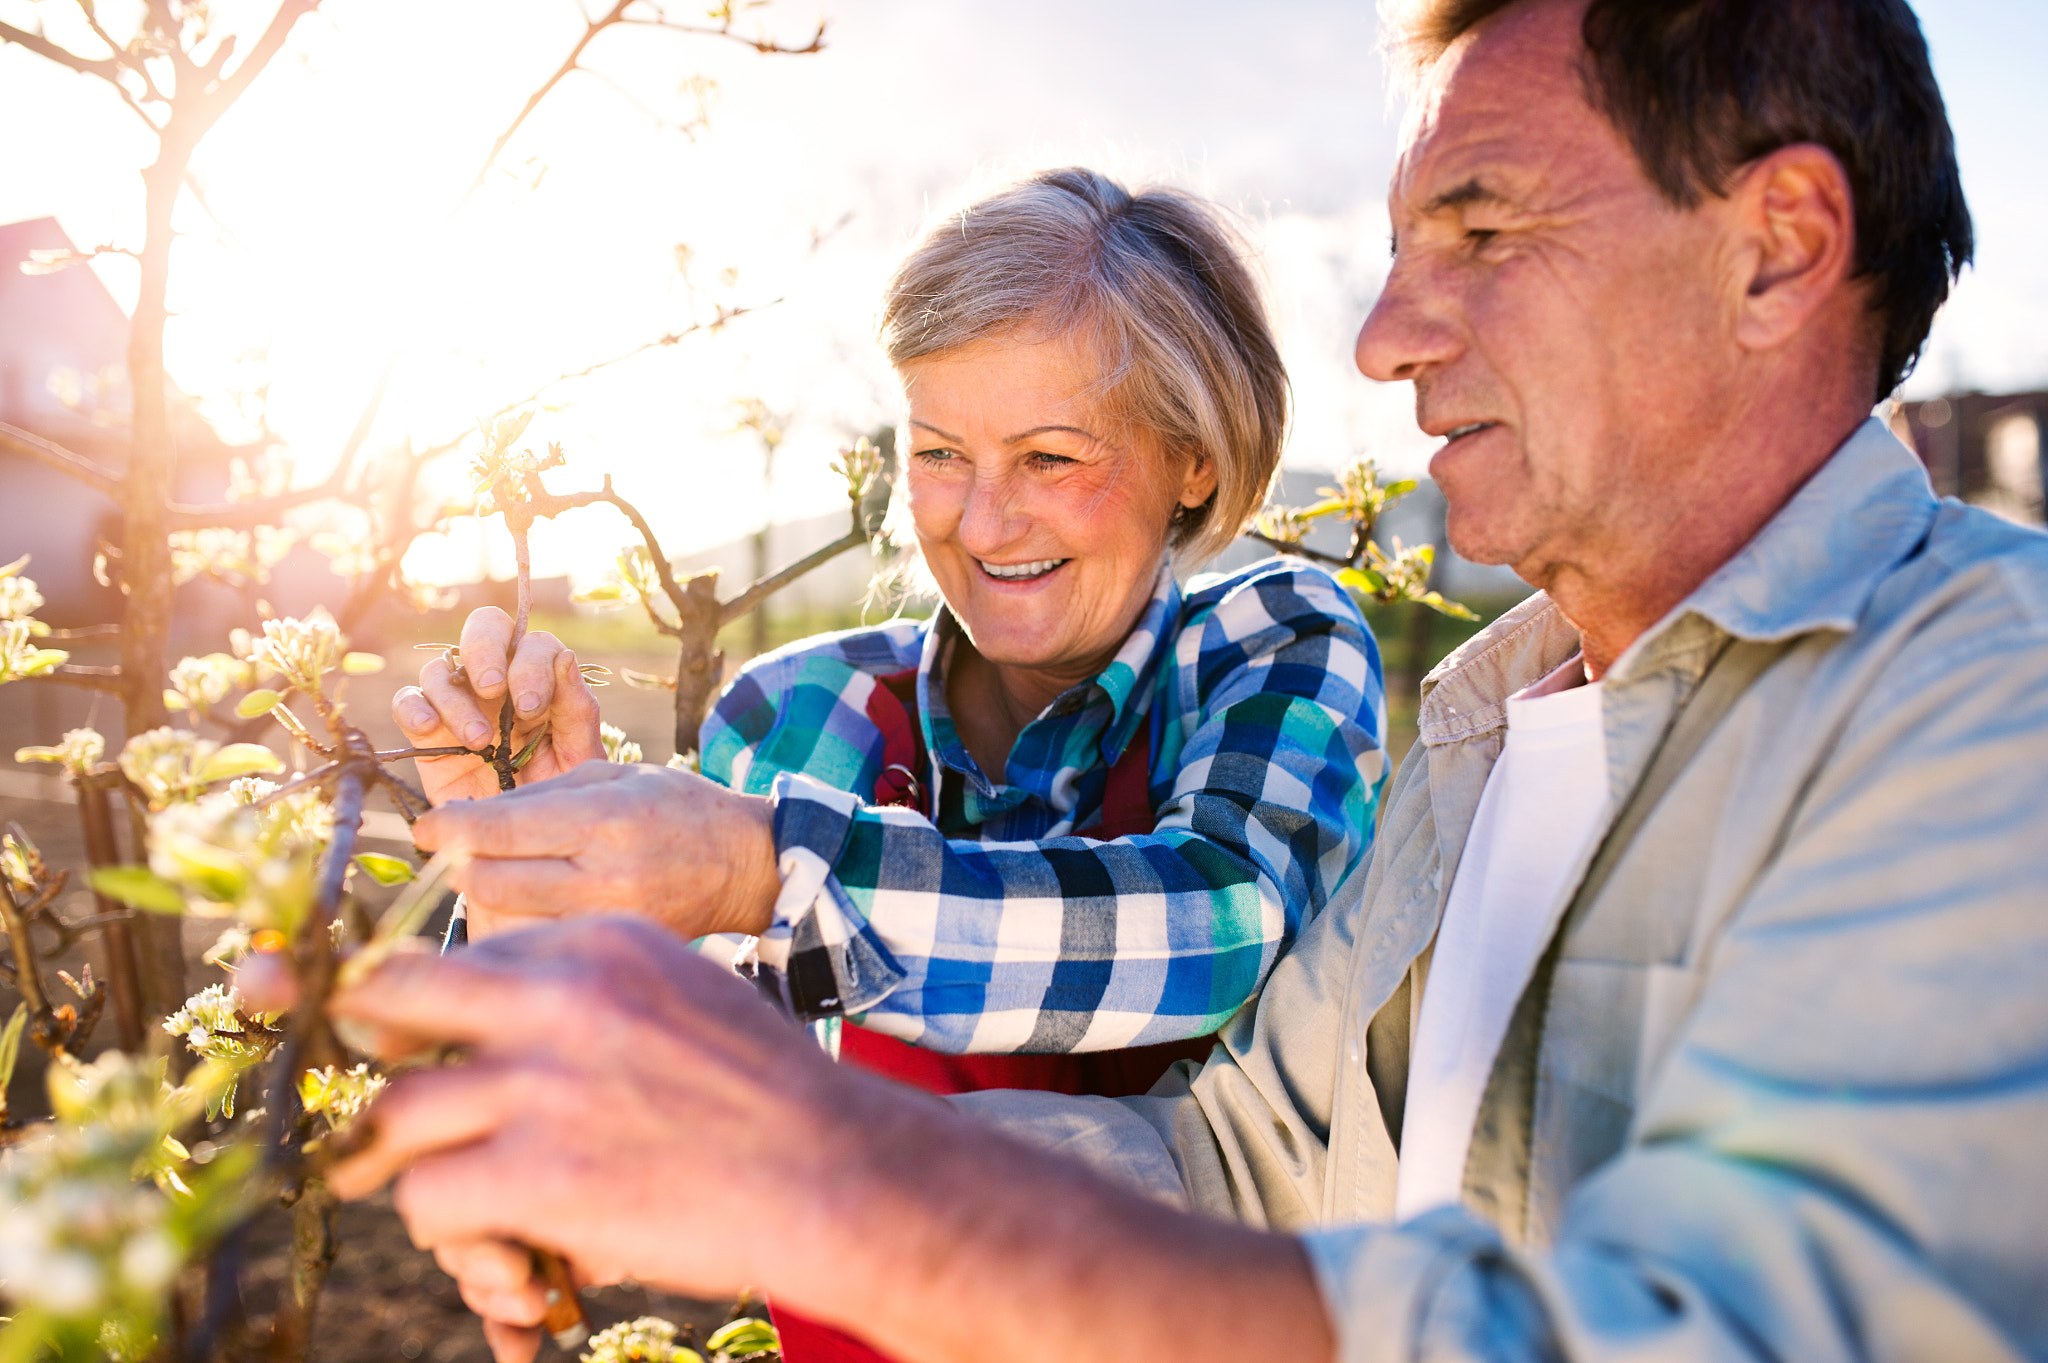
(991, 702)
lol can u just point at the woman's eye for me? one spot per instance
(1041, 459)
(1480, 236)
(934, 456)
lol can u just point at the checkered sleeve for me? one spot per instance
(1266, 773)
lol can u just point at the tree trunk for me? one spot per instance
(699, 664)
(145, 544)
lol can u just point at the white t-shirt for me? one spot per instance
(1543, 803)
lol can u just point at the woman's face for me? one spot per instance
(1042, 519)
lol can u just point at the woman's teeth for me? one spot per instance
(1016, 572)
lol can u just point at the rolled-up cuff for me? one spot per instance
(1379, 1283)
(818, 941)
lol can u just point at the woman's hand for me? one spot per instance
(647, 841)
(549, 696)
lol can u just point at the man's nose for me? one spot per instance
(1410, 330)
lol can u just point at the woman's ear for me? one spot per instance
(1198, 481)
(1797, 223)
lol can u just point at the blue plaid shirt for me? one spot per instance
(1006, 927)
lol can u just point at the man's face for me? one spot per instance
(1561, 322)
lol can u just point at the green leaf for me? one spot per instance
(511, 428)
(603, 591)
(258, 703)
(1366, 580)
(1436, 602)
(239, 759)
(10, 1050)
(385, 870)
(11, 569)
(361, 664)
(140, 886)
(747, 1335)
(525, 754)
(1400, 489)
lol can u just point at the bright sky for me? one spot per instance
(337, 175)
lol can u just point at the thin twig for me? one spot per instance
(1302, 550)
(56, 456)
(107, 679)
(760, 591)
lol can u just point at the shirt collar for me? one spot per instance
(1816, 564)
(1124, 684)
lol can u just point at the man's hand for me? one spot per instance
(549, 697)
(606, 838)
(635, 1108)
(626, 1103)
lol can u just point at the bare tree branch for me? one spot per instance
(612, 17)
(231, 87)
(666, 339)
(106, 68)
(595, 27)
(776, 581)
(57, 457)
(118, 52)
(185, 517)
(106, 679)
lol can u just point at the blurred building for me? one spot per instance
(64, 377)
(1985, 448)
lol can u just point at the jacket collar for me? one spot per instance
(1814, 566)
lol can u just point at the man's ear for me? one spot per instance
(1797, 219)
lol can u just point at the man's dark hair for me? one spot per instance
(1703, 87)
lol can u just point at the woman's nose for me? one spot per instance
(992, 517)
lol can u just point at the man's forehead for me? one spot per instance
(1498, 109)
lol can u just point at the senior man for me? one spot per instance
(1691, 1006)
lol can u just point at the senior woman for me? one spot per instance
(1055, 835)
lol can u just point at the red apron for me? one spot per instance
(1126, 811)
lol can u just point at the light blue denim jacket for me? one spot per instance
(1791, 1095)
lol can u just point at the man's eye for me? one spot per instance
(1480, 236)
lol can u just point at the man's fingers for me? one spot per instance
(459, 711)
(511, 1343)
(496, 1278)
(486, 635)
(533, 673)
(419, 1114)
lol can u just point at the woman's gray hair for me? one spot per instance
(1153, 285)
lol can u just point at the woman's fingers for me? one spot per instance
(533, 673)
(457, 706)
(573, 719)
(486, 638)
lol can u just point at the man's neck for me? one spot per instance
(1707, 515)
